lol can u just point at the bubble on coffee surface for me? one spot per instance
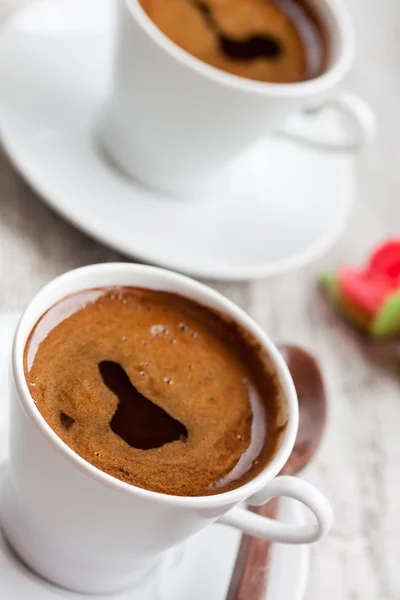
(138, 421)
(158, 329)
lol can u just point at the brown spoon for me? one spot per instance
(250, 575)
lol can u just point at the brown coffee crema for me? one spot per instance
(277, 41)
(155, 390)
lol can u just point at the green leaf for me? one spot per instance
(387, 322)
(330, 284)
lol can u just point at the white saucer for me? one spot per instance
(280, 207)
(203, 567)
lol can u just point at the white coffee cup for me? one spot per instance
(175, 122)
(89, 532)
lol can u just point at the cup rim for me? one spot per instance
(110, 272)
(344, 39)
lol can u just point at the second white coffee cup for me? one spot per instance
(175, 122)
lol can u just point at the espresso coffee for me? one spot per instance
(279, 41)
(155, 390)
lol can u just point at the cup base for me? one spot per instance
(50, 566)
(192, 186)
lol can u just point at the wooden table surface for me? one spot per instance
(358, 466)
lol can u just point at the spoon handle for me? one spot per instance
(251, 571)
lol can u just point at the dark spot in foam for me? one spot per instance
(138, 421)
(254, 46)
(66, 420)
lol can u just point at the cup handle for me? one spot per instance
(277, 531)
(358, 116)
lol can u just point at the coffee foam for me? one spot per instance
(198, 367)
(277, 41)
